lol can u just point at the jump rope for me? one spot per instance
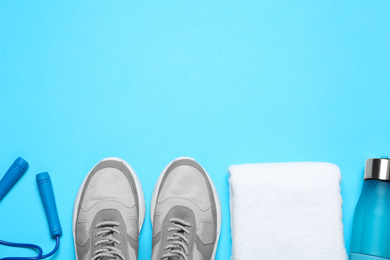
(45, 187)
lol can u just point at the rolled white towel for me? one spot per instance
(283, 211)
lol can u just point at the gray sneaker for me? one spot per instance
(108, 213)
(185, 212)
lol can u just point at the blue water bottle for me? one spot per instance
(371, 224)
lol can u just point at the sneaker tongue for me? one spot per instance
(109, 258)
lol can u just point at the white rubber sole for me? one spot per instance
(141, 197)
(216, 198)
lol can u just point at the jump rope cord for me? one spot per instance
(39, 256)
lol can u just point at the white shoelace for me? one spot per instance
(179, 245)
(107, 241)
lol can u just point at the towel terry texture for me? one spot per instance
(286, 211)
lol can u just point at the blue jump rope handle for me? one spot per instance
(46, 190)
(12, 176)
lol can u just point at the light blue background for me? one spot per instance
(225, 82)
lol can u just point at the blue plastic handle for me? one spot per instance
(12, 176)
(46, 190)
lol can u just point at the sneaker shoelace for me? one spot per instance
(179, 244)
(107, 241)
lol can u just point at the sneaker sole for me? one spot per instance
(215, 194)
(141, 197)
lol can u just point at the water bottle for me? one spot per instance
(371, 224)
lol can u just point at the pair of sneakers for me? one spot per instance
(110, 209)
